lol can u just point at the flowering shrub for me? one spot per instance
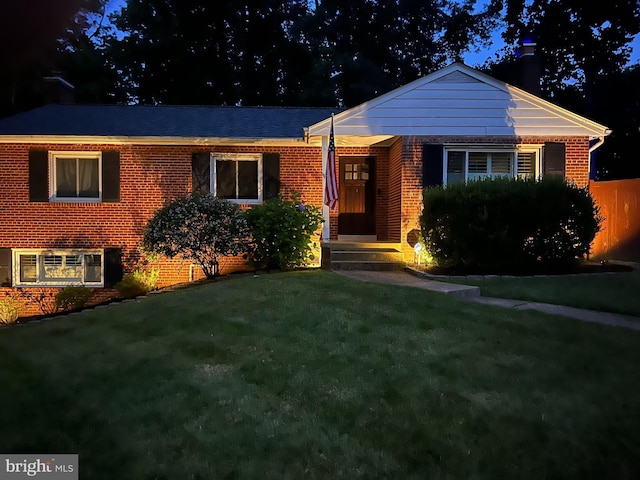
(282, 232)
(202, 228)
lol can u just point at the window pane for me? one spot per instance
(66, 177)
(478, 162)
(501, 163)
(526, 165)
(455, 166)
(92, 268)
(88, 178)
(225, 179)
(28, 268)
(57, 267)
(248, 180)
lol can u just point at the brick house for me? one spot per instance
(79, 182)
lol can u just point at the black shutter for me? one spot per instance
(554, 159)
(432, 164)
(38, 176)
(201, 172)
(5, 267)
(111, 176)
(112, 266)
(271, 175)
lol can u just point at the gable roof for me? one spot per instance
(170, 122)
(458, 100)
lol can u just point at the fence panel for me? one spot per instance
(619, 202)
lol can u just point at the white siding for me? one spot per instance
(459, 101)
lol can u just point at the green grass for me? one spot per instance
(312, 375)
(607, 292)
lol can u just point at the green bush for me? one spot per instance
(72, 297)
(506, 225)
(137, 283)
(9, 309)
(282, 232)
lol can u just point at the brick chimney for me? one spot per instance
(530, 69)
(58, 90)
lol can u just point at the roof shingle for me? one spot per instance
(164, 121)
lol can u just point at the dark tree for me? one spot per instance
(373, 47)
(577, 41)
(195, 52)
(46, 38)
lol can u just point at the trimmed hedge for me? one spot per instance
(502, 225)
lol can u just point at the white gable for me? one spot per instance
(458, 100)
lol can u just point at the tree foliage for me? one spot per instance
(287, 53)
(201, 228)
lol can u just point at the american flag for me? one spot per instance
(331, 184)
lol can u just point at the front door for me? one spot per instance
(357, 196)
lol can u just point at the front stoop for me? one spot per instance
(376, 256)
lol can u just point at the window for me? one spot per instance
(237, 177)
(462, 164)
(75, 176)
(58, 268)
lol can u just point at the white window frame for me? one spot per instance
(41, 254)
(53, 156)
(513, 150)
(255, 157)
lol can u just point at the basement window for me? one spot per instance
(58, 268)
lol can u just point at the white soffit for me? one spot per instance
(458, 100)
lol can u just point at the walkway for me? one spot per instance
(472, 293)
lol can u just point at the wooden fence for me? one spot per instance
(619, 202)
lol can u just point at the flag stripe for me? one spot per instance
(331, 183)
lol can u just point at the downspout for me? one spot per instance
(595, 146)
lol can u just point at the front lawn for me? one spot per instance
(607, 292)
(313, 375)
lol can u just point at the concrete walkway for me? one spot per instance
(472, 293)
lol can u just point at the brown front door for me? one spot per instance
(357, 196)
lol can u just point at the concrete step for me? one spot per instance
(365, 256)
(371, 266)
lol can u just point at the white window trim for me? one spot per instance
(53, 155)
(514, 150)
(257, 157)
(17, 252)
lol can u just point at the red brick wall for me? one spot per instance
(149, 176)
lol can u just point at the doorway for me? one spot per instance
(357, 213)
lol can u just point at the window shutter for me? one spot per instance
(432, 164)
(111, 176)
(554, 158)
(271, 175)
(38, 176)
(5, 267)
(112, 266)
(201, 172)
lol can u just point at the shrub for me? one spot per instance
(508, 225)
(137, 283)
(72, 297)
(9, 309)
(201, 227)
(282, 232)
